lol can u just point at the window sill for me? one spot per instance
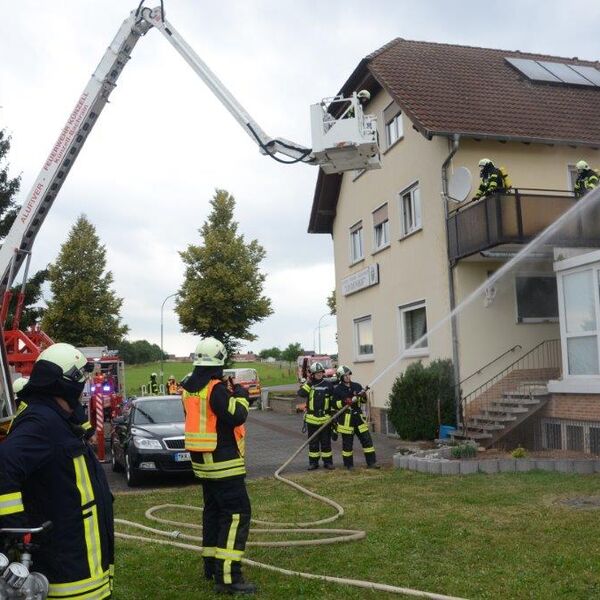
(390, 147)
(573, 384)
(380, 249)
(420, 353)
(533, 321)
(356, 262)
(365, 359)
(410, 233)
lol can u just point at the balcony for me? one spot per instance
(517, 218)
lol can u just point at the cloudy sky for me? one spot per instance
(164, 143)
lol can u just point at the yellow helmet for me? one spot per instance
(72, 362)
(582, 165)
(484, 162)
(210, 352)
(19, 383)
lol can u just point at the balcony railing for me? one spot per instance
(517, 217)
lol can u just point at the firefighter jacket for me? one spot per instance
(319, 405)
(153, 386)
(491, 183)
(353, 417)
(214, 425)
(587, 180)
(49, 473)
(172, 387)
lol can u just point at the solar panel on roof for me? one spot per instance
(565, 73)
(590, 73)
(532, 70)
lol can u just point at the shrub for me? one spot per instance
(519, 452)
(464, 451)
(413, 401)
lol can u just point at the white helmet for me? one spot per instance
(582, 165)
(343, 370)
(484, 162)
(364, 95)
(19, 383)
(71, 360)
(317, 367)
(210, 352)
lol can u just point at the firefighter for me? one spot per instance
(318, 393)
(352, 422)
(214, 436)
(172, 387)
(153, 384)
(587, 179)
(364, 96)
(493, 180)
(48, 472)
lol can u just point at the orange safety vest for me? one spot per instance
(201, 421)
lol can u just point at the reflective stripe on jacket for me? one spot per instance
(319, 401)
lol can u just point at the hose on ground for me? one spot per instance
(310, 527)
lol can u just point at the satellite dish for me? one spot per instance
(459, 184)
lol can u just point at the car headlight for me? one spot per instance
(146, 443)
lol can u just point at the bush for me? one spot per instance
(413, 401)
(519, 453)
(464, 451)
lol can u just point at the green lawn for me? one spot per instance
(485, 537)
(137, 375)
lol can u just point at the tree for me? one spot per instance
(292, 352)
(331, 303)
(9, 187)
(273, 352)
(84, 310)
(221, 294)
(139, 352)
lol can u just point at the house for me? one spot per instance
(406, 252)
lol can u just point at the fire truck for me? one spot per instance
(344, 138)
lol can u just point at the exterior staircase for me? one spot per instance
(508, 399)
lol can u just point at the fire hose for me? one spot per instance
(312, 527)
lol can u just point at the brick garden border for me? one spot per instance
(436, 466)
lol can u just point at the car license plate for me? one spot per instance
(182, 456)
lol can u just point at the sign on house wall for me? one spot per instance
(360, 280)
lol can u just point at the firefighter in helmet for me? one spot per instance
(364, 96)
(492, 179)
(214, 436)
(48, 472)
(172, 386)
(153, 384)
(352, 422)
(587, 179)
(318, 393)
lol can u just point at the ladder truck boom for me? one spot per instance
(344, 142)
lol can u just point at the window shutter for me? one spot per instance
(390, 112)
(380, 215)
(356, 227)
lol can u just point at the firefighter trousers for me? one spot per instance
(225, 528)
(320, 447)
(362, 433)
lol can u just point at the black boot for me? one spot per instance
(329, 466)
(241, 587)
(313, 466)
(209, 568)
(373, 466)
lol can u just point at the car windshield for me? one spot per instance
(151, 412)
(241, 374)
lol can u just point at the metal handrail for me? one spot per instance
(509, 367)
(478, 372)
(513, 191)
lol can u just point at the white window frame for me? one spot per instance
(585, 425)
(594, 267)
(385, 226)
(394, 126)
(354, 229)
(529, 320)
(358, 357)
(415, 226)
(571, 170)
(402, 310)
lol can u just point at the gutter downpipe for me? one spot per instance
(451, 289)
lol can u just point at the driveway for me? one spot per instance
(271, 439)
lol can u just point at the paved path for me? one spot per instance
(271, 439)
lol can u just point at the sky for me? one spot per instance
(164, 143)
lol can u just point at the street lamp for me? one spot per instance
(322, 317)
(161, 334)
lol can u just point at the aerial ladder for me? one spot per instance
(344, 139)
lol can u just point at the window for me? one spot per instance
(356, 242)
(392, 118)
(575, 437)
(572, 176)
(580, 323)
(595, 440)
(413, 324)
(381, 227)
(537, 298)
(363, 335)
(578, 436)
(410, 210)
(553, 436)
